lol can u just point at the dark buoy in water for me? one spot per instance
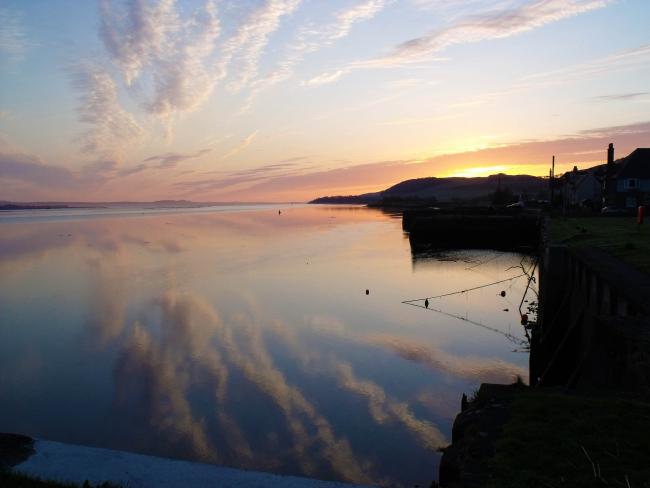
(426, 303)
(503, 293)
(279, 212)
(367, 291)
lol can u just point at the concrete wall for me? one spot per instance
(594, 323)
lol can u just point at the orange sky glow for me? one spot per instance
(289, 100)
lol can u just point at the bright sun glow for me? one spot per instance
(480, 171)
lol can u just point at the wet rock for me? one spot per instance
(14, 449)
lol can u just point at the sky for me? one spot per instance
(288, 100)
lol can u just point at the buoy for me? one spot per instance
(367, 292)
(426, 303)
(279, 212)
(503, 293)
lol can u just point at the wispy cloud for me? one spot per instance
(163, 161)
(251, 38)
(494, 24)
(180, 55)
(14, 41)
(419, 120)
(293, 159)
(621, 60)
(491, 25)
(642, 128)
(628, 59)
(241, 146)
(170, 160)
(154, 43)
(347, 18)
(452, 6)
(246, 177)
(326, 78)
(312, 38)
(411, 82)
(110, 126)
(137, 33)
(621, 97)
(30, 169)
(98, 172)
(142, 36)
(182, 79)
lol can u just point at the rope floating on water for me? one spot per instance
(411, 302)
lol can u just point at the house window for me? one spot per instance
(631, 184)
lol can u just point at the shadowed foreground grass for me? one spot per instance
(618, 236)
(9, 479)
(560, 440)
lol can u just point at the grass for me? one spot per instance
(618, 236)
(10, 479)
(559, 440)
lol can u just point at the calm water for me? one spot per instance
(242, 337)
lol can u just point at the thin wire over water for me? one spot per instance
(411, 302)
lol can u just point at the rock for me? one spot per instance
(14, 449)
(464, 463)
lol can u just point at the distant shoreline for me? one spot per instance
(156, 205)
(10, 207)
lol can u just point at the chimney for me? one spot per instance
(610, 154)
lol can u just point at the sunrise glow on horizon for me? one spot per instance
(289, 100)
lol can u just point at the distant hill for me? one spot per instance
(453, 189)
(352, 199)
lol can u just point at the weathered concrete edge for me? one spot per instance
(76, 464)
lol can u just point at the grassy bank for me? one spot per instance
(9, 479)
(618, 236)
(561, 440)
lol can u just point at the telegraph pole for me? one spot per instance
(552, 180)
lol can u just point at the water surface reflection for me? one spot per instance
(246, 338)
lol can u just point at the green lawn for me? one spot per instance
(560, 440)
(619, 236)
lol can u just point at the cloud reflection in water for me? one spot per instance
(246, 339)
